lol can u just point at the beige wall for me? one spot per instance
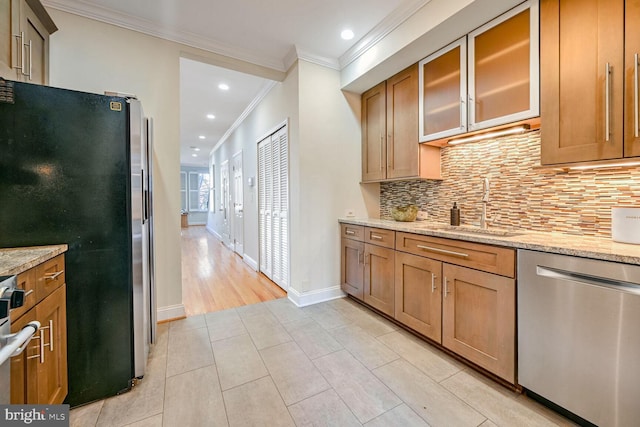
(328, 174)
(90, 56)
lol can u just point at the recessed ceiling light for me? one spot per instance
(202, 137)
(196, 149)
(194, 155)
(210, 116)
(223, 86)
(346, 34)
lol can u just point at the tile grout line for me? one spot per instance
(215, 364)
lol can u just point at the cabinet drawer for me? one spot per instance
(491, 259)
(380, 237)
(27, 282)
(353, 232)
(49, 276)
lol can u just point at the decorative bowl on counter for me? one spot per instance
(404, 213)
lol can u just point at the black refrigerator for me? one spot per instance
(74, 170)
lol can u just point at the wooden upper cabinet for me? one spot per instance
(582, 71)
(374, 131)
(402, 124)
(6, 39)
(504, 69)
(25, 27)
(443, 92)
(488, 78)
(390, 146)
(632, 89)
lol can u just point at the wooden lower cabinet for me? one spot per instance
(478, 318)
(379, 278)
(459, 294)
(418, 294)
(352, 268)
(39, 374)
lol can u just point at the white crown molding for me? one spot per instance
(109, 16)
(296, 53)
(259, 97)
(387, 25)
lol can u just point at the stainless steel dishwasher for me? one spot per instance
(579, 335)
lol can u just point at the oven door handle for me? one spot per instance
(14, 344)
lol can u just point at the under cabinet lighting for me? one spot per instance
(489, 135)
(604, 165)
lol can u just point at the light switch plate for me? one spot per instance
(422, 215)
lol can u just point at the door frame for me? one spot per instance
(237, 220)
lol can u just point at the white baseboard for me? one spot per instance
(250, 262)
(215, 234)
(171, 312)
(302, 299)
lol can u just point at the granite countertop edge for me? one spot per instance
(17, 260)
(560, 243)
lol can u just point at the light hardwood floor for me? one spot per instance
(214, 278)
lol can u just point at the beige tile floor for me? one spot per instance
(331, 364)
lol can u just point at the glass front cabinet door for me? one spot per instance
(488, 78)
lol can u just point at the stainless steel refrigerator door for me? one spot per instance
(578, 340)
(140, 305)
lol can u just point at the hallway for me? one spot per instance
(214, 278)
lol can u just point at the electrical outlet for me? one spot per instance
(350, 213)
(422, 216)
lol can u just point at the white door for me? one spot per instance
(238, 206)
(224, 202)
(273, 195)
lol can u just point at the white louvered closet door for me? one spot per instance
(273, 195)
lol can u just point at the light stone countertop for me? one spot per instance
(16, 260)
(559, 243)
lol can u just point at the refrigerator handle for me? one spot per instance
(144, 198)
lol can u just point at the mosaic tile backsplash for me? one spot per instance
(522, 194)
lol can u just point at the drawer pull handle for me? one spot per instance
(29, 292)
(443, 251)
(376, 237)
(349, 232)
(53, 276)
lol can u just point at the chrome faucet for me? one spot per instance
(485, 200)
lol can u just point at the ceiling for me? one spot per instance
(269, 33)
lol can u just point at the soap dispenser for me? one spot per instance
(455, 214)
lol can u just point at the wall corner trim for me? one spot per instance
(170, 312)
(303, 299)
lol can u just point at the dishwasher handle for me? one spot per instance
(603, 282)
